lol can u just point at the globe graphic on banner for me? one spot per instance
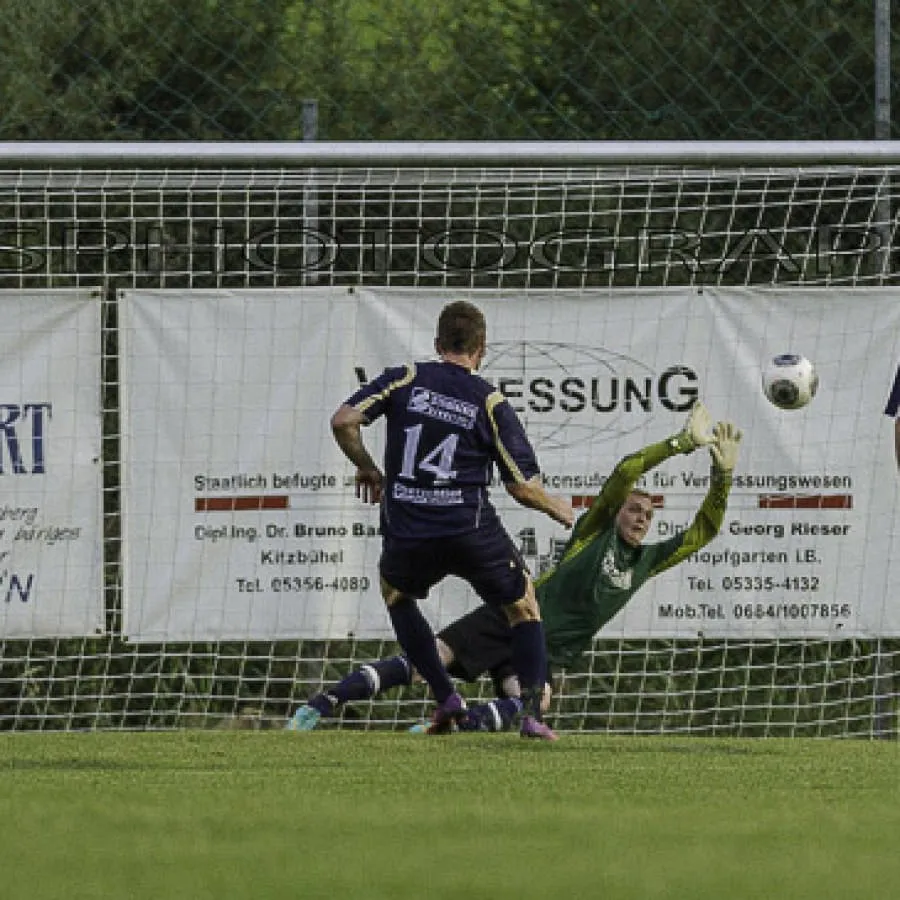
(567, 394)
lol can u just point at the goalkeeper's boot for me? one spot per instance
(447, 714)
(418, 728)
(305, 719)
(537, 730)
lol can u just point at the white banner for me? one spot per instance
(240, 515)
(50, 532)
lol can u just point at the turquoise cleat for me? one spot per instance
(305, 719)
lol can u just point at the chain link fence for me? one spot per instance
(416, 70)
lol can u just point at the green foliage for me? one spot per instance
(680, 70)
(113, 69)
(415, 70)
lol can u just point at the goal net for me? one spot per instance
(242, 293)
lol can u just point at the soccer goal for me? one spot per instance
(242, 291)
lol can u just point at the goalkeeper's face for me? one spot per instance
(634, 518)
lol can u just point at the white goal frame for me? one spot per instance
(111, 216)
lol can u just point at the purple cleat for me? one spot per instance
(447, 714)
(532, 728)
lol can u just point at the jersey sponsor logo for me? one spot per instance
(427, 496)
(451, 410)
(620, 578)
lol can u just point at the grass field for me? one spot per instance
(270, 815)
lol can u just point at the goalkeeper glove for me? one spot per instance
(725, 445)
(696, 431)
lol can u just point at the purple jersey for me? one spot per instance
(446, 429)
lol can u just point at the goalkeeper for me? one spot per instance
(602, 565)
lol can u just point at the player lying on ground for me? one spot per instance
(602, 565)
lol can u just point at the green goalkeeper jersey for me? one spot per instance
(598, 572)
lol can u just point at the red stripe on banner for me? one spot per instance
(583, 501)
(805, 501)
(236, 504)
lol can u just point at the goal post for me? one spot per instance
(244, 289)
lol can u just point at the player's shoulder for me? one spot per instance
(486, 388)
(394, 375)
(391, 380)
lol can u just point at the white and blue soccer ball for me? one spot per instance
(789, 381)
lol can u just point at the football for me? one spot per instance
(789, 381)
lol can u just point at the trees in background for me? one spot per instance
(415, 70)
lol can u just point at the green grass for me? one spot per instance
(270, 815)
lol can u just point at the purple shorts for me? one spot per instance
(486, 558)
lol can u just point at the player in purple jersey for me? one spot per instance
(603, 564)
(447, 428)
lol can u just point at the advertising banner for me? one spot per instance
(50, 532)
(240, 518)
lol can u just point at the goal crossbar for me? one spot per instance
(461, 154)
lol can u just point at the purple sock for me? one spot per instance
(498, 715)
(415, 636)
(371, 679)
(529, 660)
(324, 703)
